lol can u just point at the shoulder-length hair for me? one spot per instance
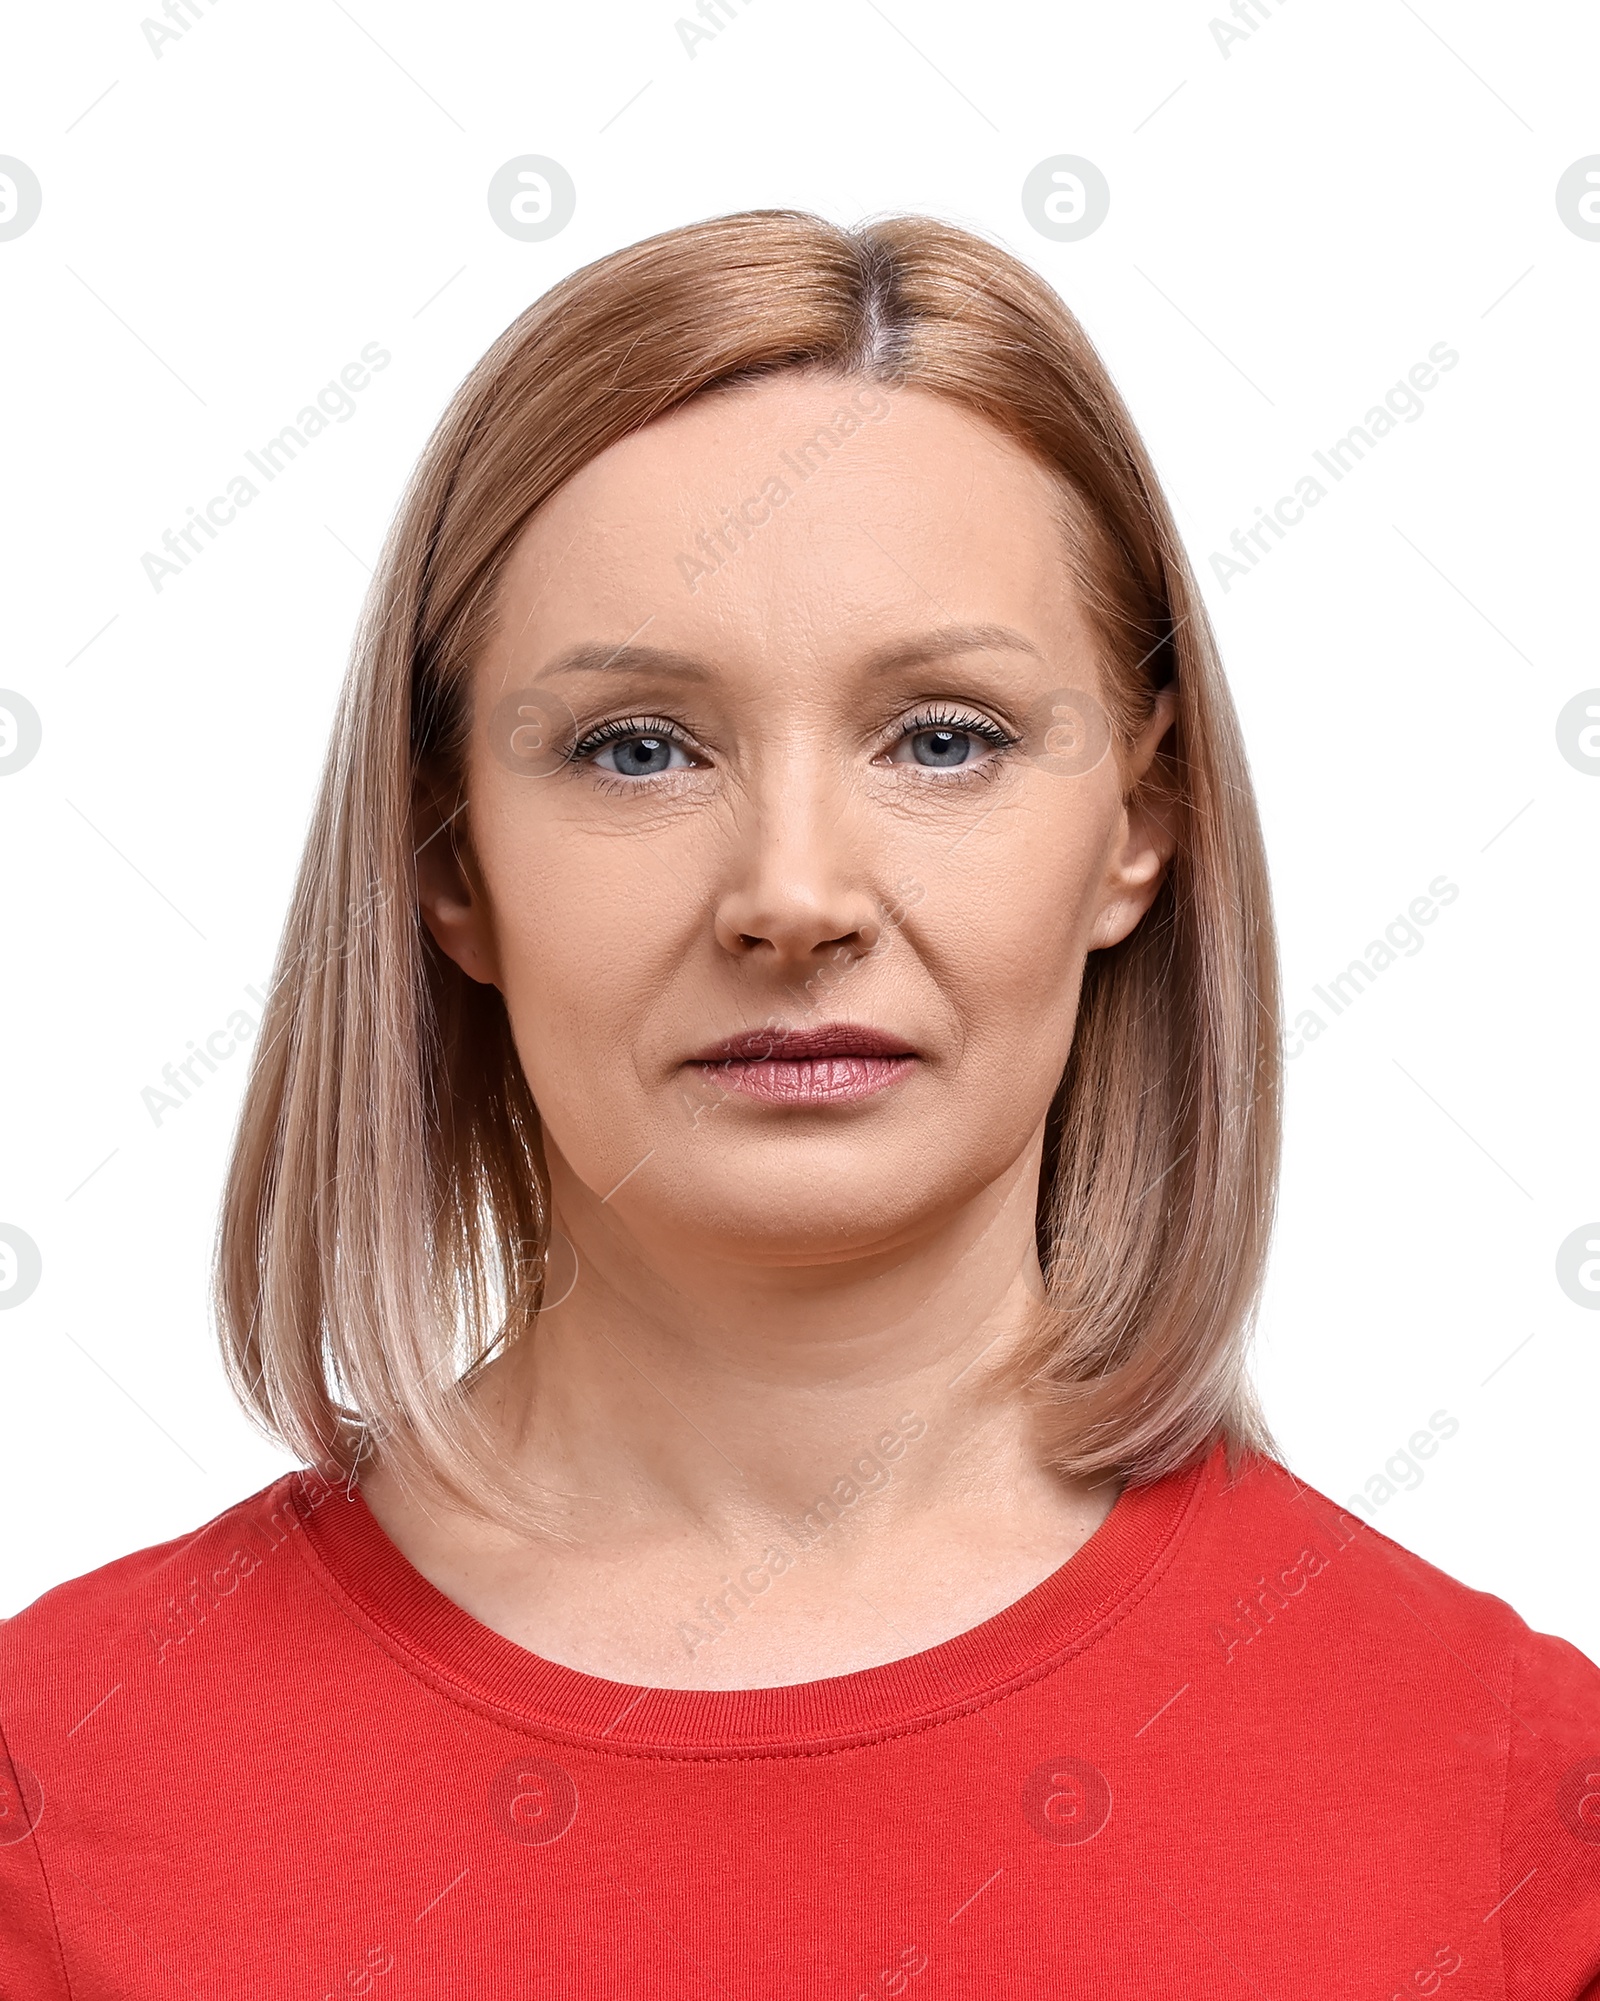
(385, 1223)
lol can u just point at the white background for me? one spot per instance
(1293, 224)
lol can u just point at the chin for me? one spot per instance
(790, 1217)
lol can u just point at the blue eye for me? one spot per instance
(949, 742)
(634, 747)
(941, 748)
(641, 756)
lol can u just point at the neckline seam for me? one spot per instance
(838, 1743)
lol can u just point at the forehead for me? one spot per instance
(812, 511)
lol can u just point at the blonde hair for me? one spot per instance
(385, 1222)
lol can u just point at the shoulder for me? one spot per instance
(114, 1680)
(1274, 1537)
(1457, 1709)
(144, 1608)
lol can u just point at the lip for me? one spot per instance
(804, 1045)
(836, 1062)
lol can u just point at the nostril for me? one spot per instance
(863, 940)
(795, 927)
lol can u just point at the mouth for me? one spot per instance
(837, 1062)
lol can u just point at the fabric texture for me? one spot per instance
(1240, 1744)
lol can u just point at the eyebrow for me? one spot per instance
(596, 657)
(945, 640)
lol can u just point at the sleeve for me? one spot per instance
(31, 1965)
(1550, 1850)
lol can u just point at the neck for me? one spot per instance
(698, 1419)
(676, 1384)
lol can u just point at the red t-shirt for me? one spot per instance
(1240, 1744)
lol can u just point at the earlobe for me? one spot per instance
(454, 926)
(449, 898)
(1149, 836)
(1137, 885)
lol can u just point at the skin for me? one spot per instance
(762, 1291)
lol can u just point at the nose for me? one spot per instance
(795, 892)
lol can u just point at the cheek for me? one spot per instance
(586, 931)
(1013, 914)
(1004, 939)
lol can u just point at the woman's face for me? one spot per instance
(790, 731)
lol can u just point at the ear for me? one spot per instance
(1147, 834)
(450, 892)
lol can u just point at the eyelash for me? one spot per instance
(969, 723)
(966, 721)
(626, 726)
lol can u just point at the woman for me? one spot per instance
(749, 1206)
